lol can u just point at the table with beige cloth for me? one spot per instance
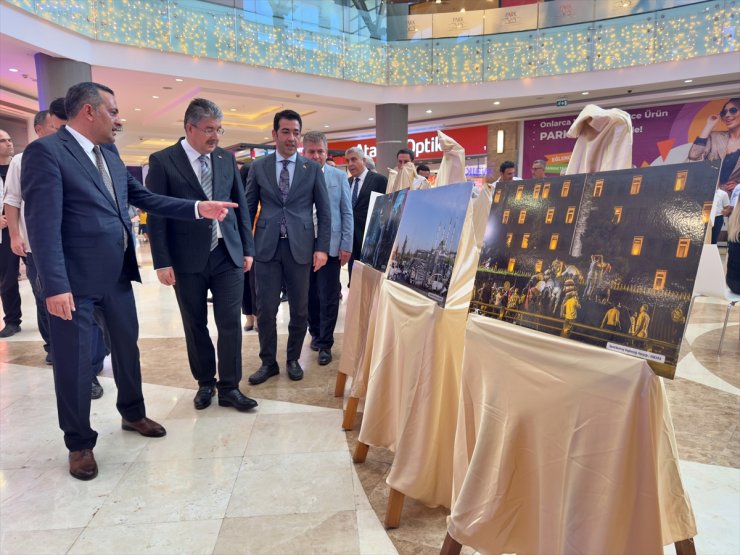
(562, 447)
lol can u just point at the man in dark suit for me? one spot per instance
(199, 256)
(362, 182)
(77, 198)
(287, 186)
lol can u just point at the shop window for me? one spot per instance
(509, 237)
(682, 251)
(554, 238)
(525, 241)
(550, 215)
(519, 192)
(522, 216)
(617, 215)
(538, 266)
(598, 187)
(680, 181)
(570, 214)
(537, 189)
(546, 190)
(512, 264)
(660, 279)
(505, 219)
(636, 182)
(637, 245)
(566, 188)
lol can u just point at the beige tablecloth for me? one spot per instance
(359, 327)
(562, 447)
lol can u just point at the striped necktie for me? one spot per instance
(108, 182)
(206, 182)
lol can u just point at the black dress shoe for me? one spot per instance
(97, 390)
(236, 399)
(314, 346)
(48, 359)
(295, 372)
(202, 399)
(264, 373)
(324, 357)
(9, 329)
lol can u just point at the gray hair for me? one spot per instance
(40, 117)
(315, 137)
(540, 162)
(369, 164)
(355, 150)
(83, 93)
(200, 109)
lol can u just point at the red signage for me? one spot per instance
(426, 145)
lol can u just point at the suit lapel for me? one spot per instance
(298, 175)
(92, 171)
(182, 163)
(217, 163)
(117, 186)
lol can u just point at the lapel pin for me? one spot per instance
(220, 156)
(304, 166)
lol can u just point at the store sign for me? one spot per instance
(661, 135)
(513, 18)
(565, 12)
(457, 24)
(426, 145)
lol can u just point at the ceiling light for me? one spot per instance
(584, 93)
(178, 80)
(232, 109)
(123, 119)
(13, 70)
(462, 10)
(688, 80)
(429, 111)
(137, 109)
(496, 102)
(266, 138)
(370, 119)
(326, 126)
(155, 96)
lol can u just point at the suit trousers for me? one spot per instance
(323, 303)
(71, 347)
(226, 283)
(9, 292)
(269, 277)
(42, 315)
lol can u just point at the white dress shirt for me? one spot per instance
(12, 195)
(197, 166)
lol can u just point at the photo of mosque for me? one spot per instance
(382, 229)
(608, 258)
(426, 244)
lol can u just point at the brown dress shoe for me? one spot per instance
(145, 426)
(82, 464)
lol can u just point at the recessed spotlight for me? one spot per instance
(688, 81)
(123, 119)
(584, 93)
(137, 109)
(232, 109)
(429, 111)
(13, 70)
(326, 126)
(178, 80)
(155, 96)
(370, 119)
(266, 138)
(496, 102)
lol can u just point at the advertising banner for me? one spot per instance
(662, 135)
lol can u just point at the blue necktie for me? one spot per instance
(355, 191)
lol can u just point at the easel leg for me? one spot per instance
(360, 453)
(450, 546)
(394, 508)
(339, 385)
(350, 412)
(686, 547)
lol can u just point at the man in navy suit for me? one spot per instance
(323, 294)
(196, 257)
(77, 198)
(287, 186)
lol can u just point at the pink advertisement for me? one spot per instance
(662, 135)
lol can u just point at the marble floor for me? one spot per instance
(281, 480)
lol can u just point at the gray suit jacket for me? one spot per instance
(308, 188)
(342, 224)
(185, 246)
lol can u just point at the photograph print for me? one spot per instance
(382, 228)
(425, 250)
(608, 258)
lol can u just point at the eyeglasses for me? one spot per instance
(211, 130)
(731, 110)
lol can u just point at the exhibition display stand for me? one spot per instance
(562, 447)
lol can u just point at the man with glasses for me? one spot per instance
(199, 256)
(538, 169)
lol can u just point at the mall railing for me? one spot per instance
(323, 38)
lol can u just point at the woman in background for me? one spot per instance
(733, 252)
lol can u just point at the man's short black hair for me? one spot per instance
(56, 108)
(406, 151)
(422, 168)
(83, 93)
(287, 114)
(40, 117)
(506, 165)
